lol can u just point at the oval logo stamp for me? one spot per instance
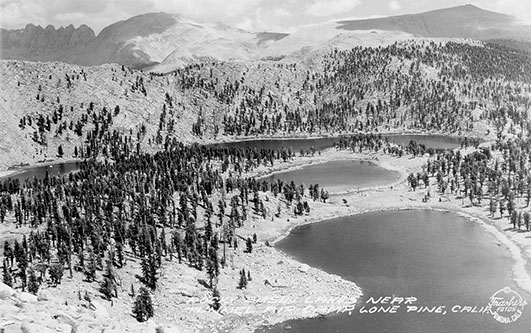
(506, 305)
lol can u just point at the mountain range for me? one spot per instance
(163, 42)
(138, 42)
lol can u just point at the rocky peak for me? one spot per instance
(37, 43)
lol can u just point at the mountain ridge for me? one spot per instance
(164, 42)
(45, 44)
(466, 21)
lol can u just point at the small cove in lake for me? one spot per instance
(39, 171)
(338, 175)
(429, 140)
(439, 258)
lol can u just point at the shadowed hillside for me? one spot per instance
(110, 44)
(81, 46)
(45, 44)
(266, 37)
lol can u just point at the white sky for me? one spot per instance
(252, 15)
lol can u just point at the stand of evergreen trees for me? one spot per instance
(151, 206)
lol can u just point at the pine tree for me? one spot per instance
(501, 208)
(33, 284)
(108, 286)
(19, 252)
(216, 300)
(324, 195)
(8, 253)
(208, 229)
(120, 254)
(243, 280)
(527, 220)
(299, 208)
(212, 265)
(149, 272)
(90, 267)
(176, 239)
(56, 273)
(143, 307)
(492, 206)
(249, 245)
(510, 204)
(6, 273)
(22, 264)
(514, 218)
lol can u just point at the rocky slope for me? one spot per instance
(34, 89)
(422, 85)
(72, 89)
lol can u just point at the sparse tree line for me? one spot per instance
(359, 90)
(366, 88)
(495, 177)
(185, 203)
(379, 143)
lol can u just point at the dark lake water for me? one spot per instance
(431, 141)
(439, 258)
(340, 175)
(40, 171)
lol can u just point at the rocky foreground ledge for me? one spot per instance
(281, 289)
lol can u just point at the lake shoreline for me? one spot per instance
(316, 282)
(387, 202)
(18, 170)
(520, 276)
(15, 169)
(233, 139)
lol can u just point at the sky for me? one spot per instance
(251, 15)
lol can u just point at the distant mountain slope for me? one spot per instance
(189, 42)
(163, 42)
(39, 44)
(81, 46)
(267, 37)
(140, 41)
(307, 43)
(466, 21)
(111, 44)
